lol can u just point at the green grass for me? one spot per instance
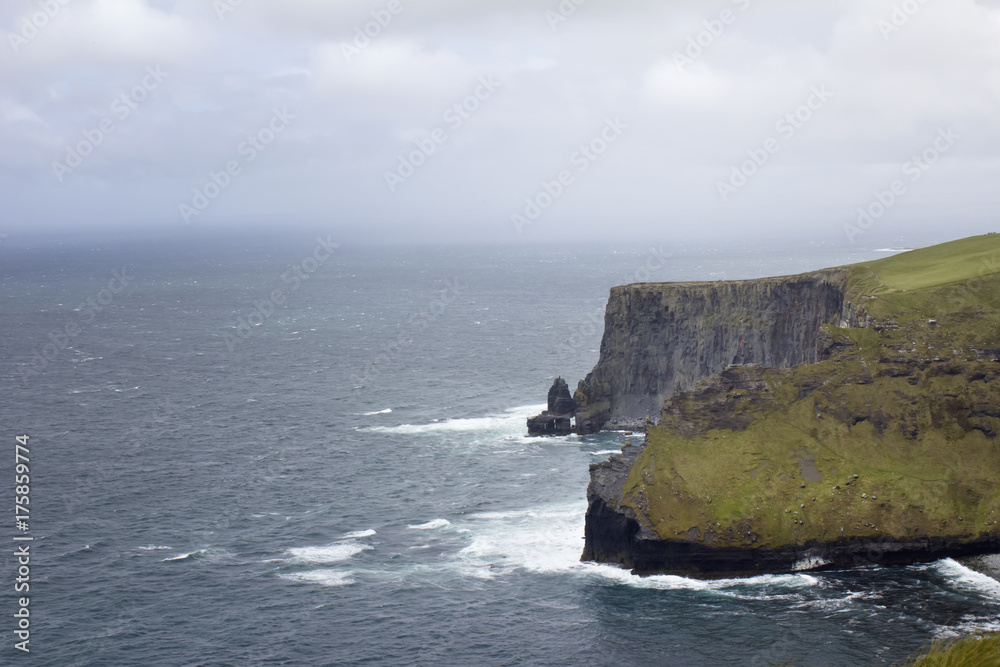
(728, 484)
(938, 265)
(941, 279)
(911, 407)
(974, 651)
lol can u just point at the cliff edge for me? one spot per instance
(831, 419)
(660, 339)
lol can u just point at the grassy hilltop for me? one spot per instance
(893, 434)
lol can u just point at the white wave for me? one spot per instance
(607, 453)
(359, 534)
(207, 554)
(810, 563)
(836, 605)
(510, 423)
(663, 582)
(969, 626)
(668, 582)
(549, 539)
(431, 525)
(85, 547)
(543, 539)
(967, 578)
(334, 553)
(516, 514)
(387, 411)
(154, 548)
(321, 577)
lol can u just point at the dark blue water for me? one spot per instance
(342, 477)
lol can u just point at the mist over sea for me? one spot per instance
(277, 451)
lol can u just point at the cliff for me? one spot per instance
(660, 339)
(831, 419)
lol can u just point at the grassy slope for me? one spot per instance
(972, 651)
(919, 434)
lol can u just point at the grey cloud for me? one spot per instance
(702, 85)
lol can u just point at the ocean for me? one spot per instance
(276, 451)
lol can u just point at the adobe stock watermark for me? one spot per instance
(455, 116)
(563, 12)
(249, 149)
(914, 169)
(264, 309)
(33, 24)
(705, 39)
(786, 126)
(901, 15)
(164, 421)
(122, 107)
(593, 324)
(364, 35)
(422, 320)
(225, 7)
(244, 485)
(786, 643)
(88, 311)
(581, 159)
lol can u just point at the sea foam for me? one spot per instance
(333, 553)
(431, 525)
(321, 577)
(510, 423)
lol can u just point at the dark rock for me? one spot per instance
(558, 418)
(610, 529)
(729, 400)
(560, 400)
(546, 424)
(615, 538)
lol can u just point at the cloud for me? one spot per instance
(358, 110)
(103, 32)
(387, 69)
(698, 86)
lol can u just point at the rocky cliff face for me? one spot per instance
(660, 339)
(844, 417)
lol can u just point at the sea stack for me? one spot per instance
(557, 418)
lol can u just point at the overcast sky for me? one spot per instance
(504, 120)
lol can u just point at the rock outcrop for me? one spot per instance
(836, 418)
(558, 417)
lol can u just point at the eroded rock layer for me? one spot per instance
(660, 339)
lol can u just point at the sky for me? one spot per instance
(854, 122)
